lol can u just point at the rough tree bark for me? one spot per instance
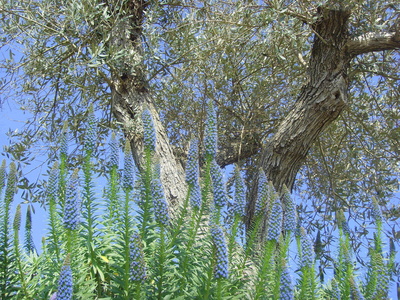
(321, 100)
(130, 96)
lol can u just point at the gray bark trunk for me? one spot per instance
(128, 105)
(130, 96)
(320, 102)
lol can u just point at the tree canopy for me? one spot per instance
(306, 90)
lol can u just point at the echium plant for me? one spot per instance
(72, 207)
(159, 202)
(275, 221)
(91, 133)
(286, 285)
(192, 163)
(138, 266)
(17, 252)
(240, 194)
(29, 245)
(219, 188)
(262, 193)
(268, 258)
(52, 195)
(221, 267)
(114, 151)
(7, 255)
(377, 281)
(308, 284)
(2, 175)
(290, 213)
(344, 272)
(65, 282)
(149, 132)
(129, 165)
(193, 173)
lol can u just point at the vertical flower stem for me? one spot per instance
(113, 198)
(206, 295)
(250, 243)
(53, 216)
(267, 267)
(148, 196)
(232, 237)
(161, 264)
(219, 288)
(21, 273)
(127, 293)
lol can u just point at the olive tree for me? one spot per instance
(306, 90)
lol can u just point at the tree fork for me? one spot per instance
(320, 102)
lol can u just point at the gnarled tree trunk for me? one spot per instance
(130, 96)
(321, 100)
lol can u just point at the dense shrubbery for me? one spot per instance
(128, 244)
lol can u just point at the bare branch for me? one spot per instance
(372, 42)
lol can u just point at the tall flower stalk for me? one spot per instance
(65, 282)
(378, 272)
(7, 255)
(192, 175)
(127, 184)
(211, 133)
(308, 284)
(52, 194)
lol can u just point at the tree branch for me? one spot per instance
(372, 42)
(238, 148)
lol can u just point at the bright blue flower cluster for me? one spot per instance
(219, 189)
(114, 149)
(192, 163)
(211, 133)
(307, 249)
(65, 284)
(286, 286)
(192, 174)
(240, 194)
(159, 202)
(72, 206)
(262, 192)
(221, 269)
(52, 186)
(91, 134)
(149, 133)
(195, 196)
(127, 177)
(275, 221)
(290, 214)
(138, 266)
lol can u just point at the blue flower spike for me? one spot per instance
(72, 207)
